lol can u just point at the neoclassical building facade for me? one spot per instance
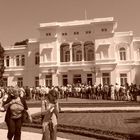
(83, 51)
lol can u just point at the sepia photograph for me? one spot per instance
(69, 69)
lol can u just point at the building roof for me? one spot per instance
(77, 22)
(128, 33)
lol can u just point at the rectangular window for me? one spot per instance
(37, 58)
(106, 78)
(65, 80)
(48, 80)
(20, 81)
(122, 56)
(7, 61)
(5, 82)
(89, 79)
(36, 81)
(77, 78)
(123, 78)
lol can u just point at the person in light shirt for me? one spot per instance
(49, 111)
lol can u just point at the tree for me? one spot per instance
(24, 42)
(1, 64)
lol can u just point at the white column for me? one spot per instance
(70, 52)
(82, 45)
(113, 77)
(98, 78)
(55, 79)
(84, 77)
(70, 77)
(41, 79)
(58, 50)
(14, 61)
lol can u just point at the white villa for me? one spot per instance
(82, 51)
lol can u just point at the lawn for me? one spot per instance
(117, 124)
(123, 124)
(128, 122)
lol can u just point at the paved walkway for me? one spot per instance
(25, 135)
(36, 136)
(133, 108)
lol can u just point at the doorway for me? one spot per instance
(77, 78)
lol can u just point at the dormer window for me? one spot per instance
(88, 32)
(76, 33)
(64, 34)
(48, 34)
(104, 29)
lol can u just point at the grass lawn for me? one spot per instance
(108, 122)
(124, 124)
(117, 122)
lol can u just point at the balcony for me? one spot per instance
(14, 69)
(48, 64)
(106, 61)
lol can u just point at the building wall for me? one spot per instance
(101, 32)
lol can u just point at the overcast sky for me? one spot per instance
(19, 19)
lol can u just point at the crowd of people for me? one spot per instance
(13, 101)
(84, 91)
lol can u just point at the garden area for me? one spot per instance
(123, 125)
(101, 125)
(90, 124)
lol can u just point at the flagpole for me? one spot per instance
(85, 14)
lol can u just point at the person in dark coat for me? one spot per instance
(14, 107)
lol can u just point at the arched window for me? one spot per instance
(79, 55)
(76, 51)
(17, 60)
(122, 53)
(67, 56)
(64, 52)
(7, 61)
(89, 51)
(90, 55)
(37, 59)
(23, 60)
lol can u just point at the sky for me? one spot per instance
(20, 19)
